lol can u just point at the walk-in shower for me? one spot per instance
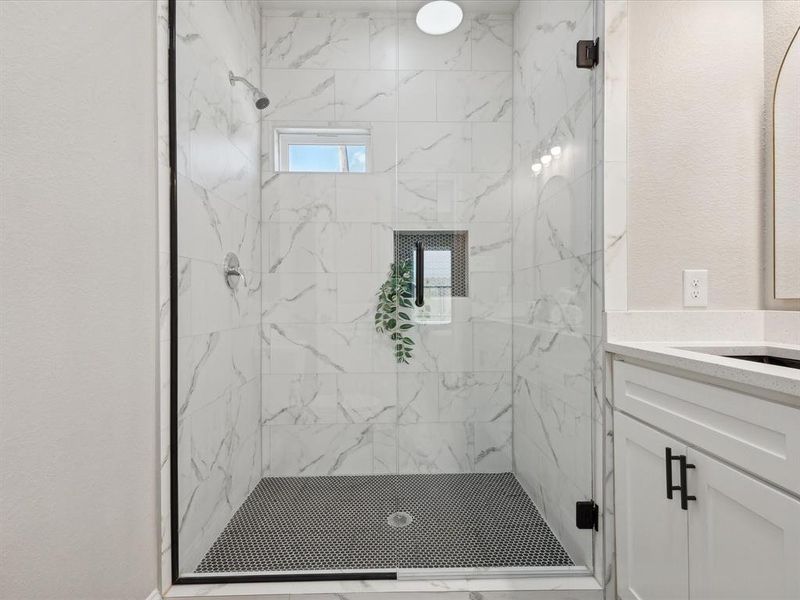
(386, 322)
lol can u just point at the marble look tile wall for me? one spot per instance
(219, 346)
(439, 112)
(557, 265)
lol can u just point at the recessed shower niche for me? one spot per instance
(336, 377)
(437, 265)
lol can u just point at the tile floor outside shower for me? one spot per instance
(385, 522)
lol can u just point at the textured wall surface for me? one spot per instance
(78, 272)
(556, 258)
(219, 346)
(781, 21)
(695, 152)
(439, 113)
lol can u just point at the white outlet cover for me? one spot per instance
(695, 287)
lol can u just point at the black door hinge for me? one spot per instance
(586, 515)
(588, 54)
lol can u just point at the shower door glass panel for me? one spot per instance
(330, 418)
(556, 256)
(219, 342)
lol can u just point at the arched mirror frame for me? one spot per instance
(780, 290)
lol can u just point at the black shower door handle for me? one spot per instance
(420, 282)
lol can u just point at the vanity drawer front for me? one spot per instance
(755, 434)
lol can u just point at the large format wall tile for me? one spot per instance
(492, 41)
(556, 288)
(434, 147)
(290, 197)
(319, 247)
(366, 95)
(368, 398)
(220, 448)
(299, 399)
(315, 43)
(434, 52)
(417, 96)
(333, 449)
(368, 198)
(436, 447)
(382, 42)
(331, 384)
(473, 96)
(491, 147)
(211, 227)
(474, 197)
(306, 95)
(474, 396)
(299, 298)
(492, 447)
(219, 211)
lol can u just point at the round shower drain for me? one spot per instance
(399, 519)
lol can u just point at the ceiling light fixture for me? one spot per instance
(439, 17)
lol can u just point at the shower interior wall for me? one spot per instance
(557, 257)
(438, 109)
(219, 347)
(286, 375)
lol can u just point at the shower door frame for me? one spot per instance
(175, 577)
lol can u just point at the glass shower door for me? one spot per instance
(386, 329)
(556, 264)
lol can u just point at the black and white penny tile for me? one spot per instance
(385, 522)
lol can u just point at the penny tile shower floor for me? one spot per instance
(343, 522)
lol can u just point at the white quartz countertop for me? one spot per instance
(704, 358)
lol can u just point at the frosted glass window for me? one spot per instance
(322, 150)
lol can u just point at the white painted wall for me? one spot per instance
(695, 152)
(78, 300)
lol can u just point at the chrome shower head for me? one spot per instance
(259, 98)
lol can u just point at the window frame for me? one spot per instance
(321, 136)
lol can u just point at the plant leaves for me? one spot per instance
(396, 293)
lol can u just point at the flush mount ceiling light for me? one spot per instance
(439, 17)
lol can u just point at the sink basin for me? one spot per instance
(767, 359)
(787, 357)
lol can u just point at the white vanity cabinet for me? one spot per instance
(726, 533)
(652, 537)
(744, 535)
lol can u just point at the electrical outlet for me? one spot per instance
(695, 287)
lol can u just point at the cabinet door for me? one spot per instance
(652, 538)
(744, 535)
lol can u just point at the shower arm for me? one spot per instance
(234, 78)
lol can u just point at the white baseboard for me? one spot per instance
(154, 595)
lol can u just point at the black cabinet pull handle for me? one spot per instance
(668, 459)
(684, 487)
(420, 282)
